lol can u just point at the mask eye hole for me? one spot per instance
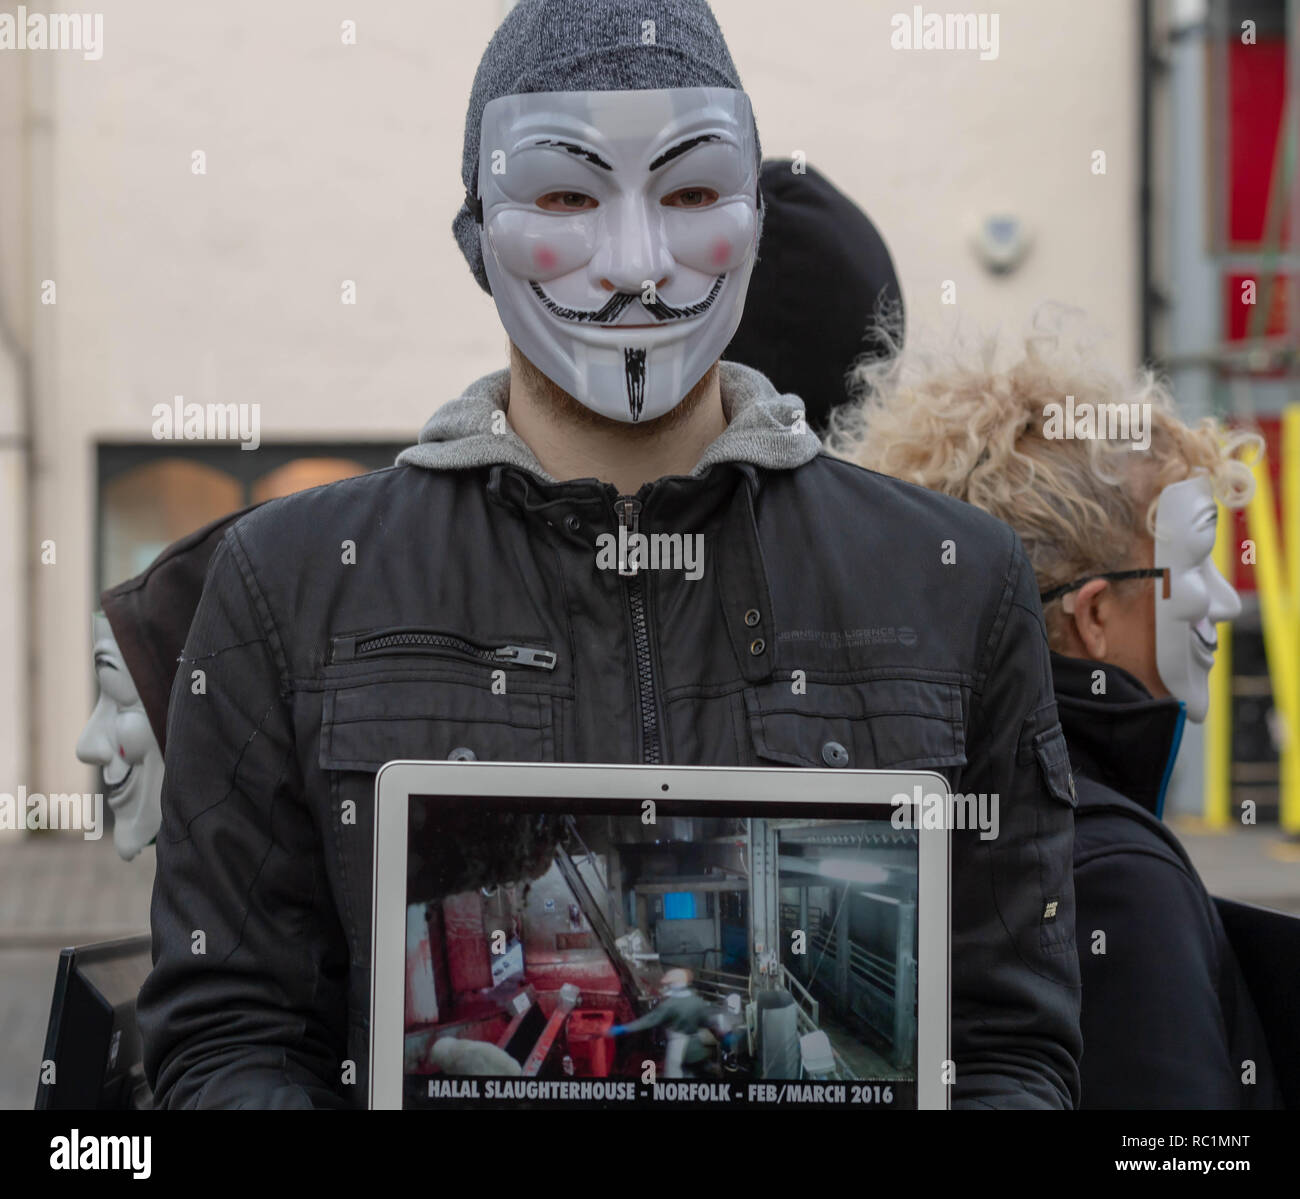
(567, 202)
(690, 197)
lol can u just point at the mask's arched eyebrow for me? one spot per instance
(681, 147)
(573, 148)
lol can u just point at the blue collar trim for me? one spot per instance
(1169, 765)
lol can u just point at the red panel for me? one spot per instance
(1256, 99)
(1256, 95)
(1242, 320)
(590, 1045)
(468, 963)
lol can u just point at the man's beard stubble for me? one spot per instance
(564, 409)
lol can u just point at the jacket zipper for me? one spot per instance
(415, 641)
(628, 510)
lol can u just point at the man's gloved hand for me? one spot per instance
(617, 1031)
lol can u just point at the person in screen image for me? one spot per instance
(645, 542)
(1121, 533)
(683, 1014)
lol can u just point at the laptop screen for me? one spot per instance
(620, 953)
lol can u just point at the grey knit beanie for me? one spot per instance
(589, 46)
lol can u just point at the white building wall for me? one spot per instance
(328, 162)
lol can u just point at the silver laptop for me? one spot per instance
(657, 936)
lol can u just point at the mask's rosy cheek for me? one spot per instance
(533, 245)
(135, 736)
(713, 241)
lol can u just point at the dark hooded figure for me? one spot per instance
(150, 615)
(822, 280)
(137, 638)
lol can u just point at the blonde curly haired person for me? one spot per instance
(948, 419)
(1120, 533)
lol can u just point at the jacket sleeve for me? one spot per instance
(245, 1006)
(1153, 1025)
(1015, 971)
(652, 1019)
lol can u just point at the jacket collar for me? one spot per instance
(762, 429)
(1124, 738)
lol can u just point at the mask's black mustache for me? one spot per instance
(666, 312)
(609, 312)
(616, 305)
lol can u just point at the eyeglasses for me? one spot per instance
(1148, 572)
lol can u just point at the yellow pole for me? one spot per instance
(1279, 643)
(1289, 816)
(1218, 724)
(1291, 501)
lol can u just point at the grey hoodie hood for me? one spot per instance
(765, 429)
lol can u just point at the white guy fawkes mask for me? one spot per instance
(119, 740)
(618, 236)
(1196, 596)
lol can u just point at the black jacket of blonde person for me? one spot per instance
(914, 619)
(1168, 1021)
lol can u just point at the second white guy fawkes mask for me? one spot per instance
(120, 741)
(618, 236)
(1196, 596)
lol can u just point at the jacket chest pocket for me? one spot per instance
(432, 693)
(367, 724)
(895, 723)
(368, 721)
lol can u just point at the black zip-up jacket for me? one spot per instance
(360, 622)
(1167, 1020)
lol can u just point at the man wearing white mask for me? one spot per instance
(1122, 542)
(136, 640)
(119, 740)
(612, 210)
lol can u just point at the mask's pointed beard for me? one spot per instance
(634, 373)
